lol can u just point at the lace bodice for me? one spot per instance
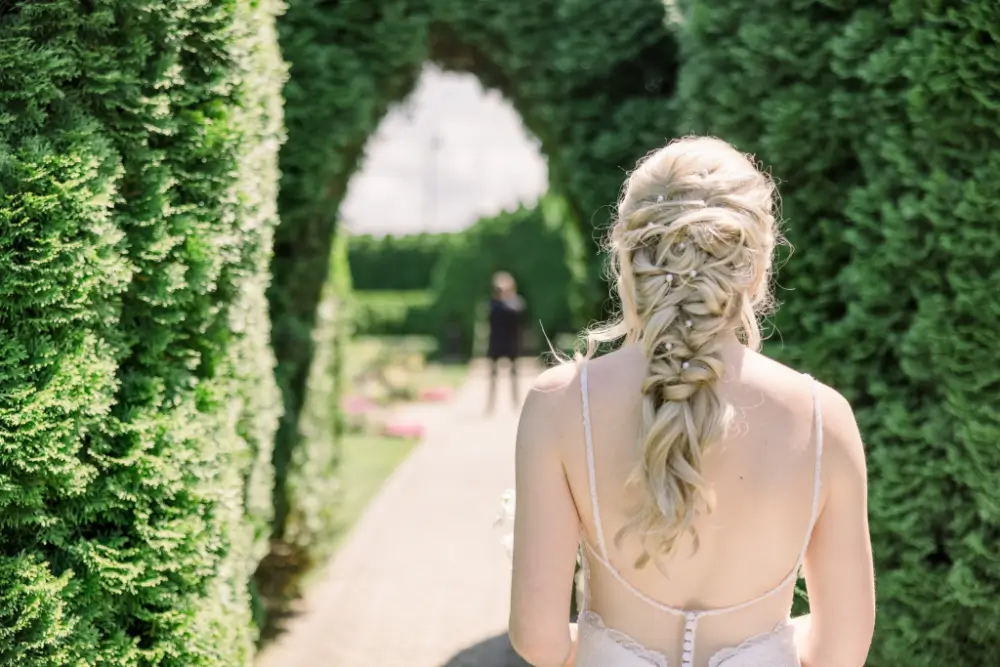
(601, 646)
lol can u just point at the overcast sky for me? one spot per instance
(485, 161)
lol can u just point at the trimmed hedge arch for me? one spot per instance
(591, 80)
(138, 159)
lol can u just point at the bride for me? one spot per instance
(698, 475)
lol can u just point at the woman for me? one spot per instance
(698, 474)
(506, 312)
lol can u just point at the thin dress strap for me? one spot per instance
(818, 472)
(591, 473)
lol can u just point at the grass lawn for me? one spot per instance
(367, 461)
(444, 375)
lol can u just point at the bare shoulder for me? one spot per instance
(843, 448)
(843, 451)
(551, 409)
(556, 379)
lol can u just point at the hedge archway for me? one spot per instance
(138, 162)
(592, 81)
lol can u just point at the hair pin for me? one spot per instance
(685, 365)
(688, 324)
(693, 274)
(669, 278)
(659, 199)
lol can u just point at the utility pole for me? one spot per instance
(431, 184)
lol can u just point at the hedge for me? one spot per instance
(137, 406)
(591, 81)
(541, 245)
(395, 263)
(378, 313)
(306, 483)
(882, 125)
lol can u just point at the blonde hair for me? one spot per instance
(691, 254)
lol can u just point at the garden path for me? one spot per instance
(423, 579)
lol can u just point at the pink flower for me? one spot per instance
(404, 430)
(358, 405)
(436, 394)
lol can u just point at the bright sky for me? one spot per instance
(485, 162)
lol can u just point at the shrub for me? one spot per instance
(881, 123)
(137, 407)
(395, 263)
(394, 314)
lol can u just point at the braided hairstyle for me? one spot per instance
(691, 254)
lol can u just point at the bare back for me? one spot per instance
(763, 476)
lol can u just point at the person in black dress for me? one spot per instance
(506, 318)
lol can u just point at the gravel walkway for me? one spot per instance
(423, 580)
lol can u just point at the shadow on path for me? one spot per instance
(492, 652)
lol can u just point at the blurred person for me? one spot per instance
(505, 319)
(697, 475)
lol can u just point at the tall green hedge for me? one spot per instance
(308, 483)
(883, 126)
(540, 247)
(590, 79)
(395, 263)
(137, 408)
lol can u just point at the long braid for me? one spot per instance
(691, 254)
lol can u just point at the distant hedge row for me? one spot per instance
(540, 246)
(138, 168)
(882, 123)
(392, 313)
(395, 263)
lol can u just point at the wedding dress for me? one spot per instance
(601, 646)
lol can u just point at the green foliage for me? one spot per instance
(591, 81)
(137, 185)
(541, 247)
(395, 263)
(137, 190)
(883, 126)
(342, 81)
(307, 482)
(394, 313)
